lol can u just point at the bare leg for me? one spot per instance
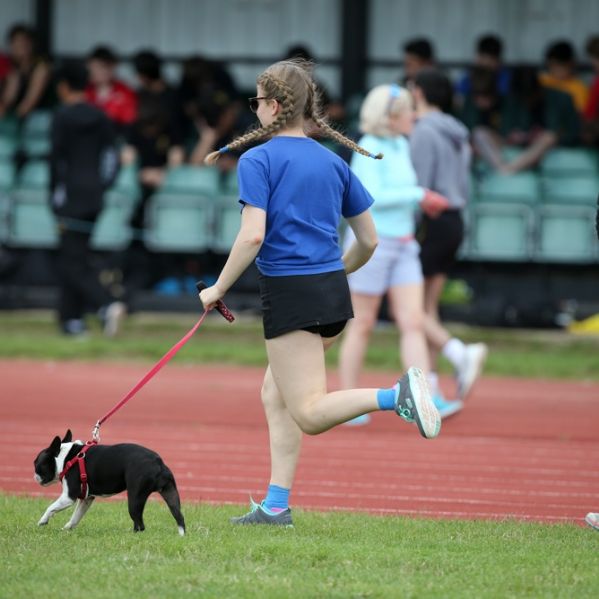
(533, 153)
(407, 307)
(488, 144)
(436, 334)
(80, 510)
(355, 338)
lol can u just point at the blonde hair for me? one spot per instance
(290, 82)
(379, 104)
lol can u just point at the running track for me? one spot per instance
(521, 449)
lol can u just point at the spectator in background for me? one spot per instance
(386, 118)
(84, 162)
(560, 62)
(489, 55)
(591, 112)
(440, 151)
(105, 91)
(27, 83)
(532, 117)
(481, 106)
(418, 54)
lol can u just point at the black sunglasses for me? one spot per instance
(254, 102)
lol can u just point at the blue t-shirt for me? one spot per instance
(304, 189)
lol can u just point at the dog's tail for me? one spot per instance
(170, 495)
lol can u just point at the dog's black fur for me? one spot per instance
(110, 470)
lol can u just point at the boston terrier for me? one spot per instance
(106, 470)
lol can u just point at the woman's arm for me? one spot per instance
(244, 251)
(366, 241)
(37, 86)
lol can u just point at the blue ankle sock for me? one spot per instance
(277, 498)
(386, 398)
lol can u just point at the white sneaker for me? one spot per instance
(471, 367)
(592, 519)
(113, 317)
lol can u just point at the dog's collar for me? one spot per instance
(79, 459)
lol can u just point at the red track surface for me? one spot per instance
(521, 448)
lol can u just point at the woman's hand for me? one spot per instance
(433, 203)
(210, 296)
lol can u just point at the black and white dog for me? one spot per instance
(110, 469)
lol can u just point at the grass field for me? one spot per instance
(326, 555)
(541, 354)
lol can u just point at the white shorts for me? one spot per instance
(395, 262)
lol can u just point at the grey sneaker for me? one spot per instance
(259, 515)
(414, 404)
(592, 519)
(470, 369)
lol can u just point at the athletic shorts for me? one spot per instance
(440, 240)
(318, 304)
(395, 262)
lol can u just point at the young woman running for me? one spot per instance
(293, 192)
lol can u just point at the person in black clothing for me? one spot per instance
(84, 162)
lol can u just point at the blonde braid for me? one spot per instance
(285, 97)
(313, 112)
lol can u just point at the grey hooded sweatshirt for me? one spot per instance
(441, 155)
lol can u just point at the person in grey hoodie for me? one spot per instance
(441, 154)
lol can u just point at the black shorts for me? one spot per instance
(319, 304)
(440, 239)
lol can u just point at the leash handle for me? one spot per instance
(220, 305)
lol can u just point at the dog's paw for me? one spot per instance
(68, 526)
(42, 522)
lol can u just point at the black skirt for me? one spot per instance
(318, 303)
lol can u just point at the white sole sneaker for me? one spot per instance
(414, 403)
(476, 354)
(592, 519)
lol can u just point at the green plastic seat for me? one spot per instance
(35, 173)
(566, 234)
(570, 161)
(500, 232)
(38, 124)
(127, 181)
(227, 222)
(36, 146)
(582, 190)
(8, 146)
(112, 230)
(521, 187)
(31, 223)
(9, 127)
(7, 175)
(179, 223)
(192, 179)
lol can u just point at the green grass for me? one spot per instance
(325, 555)
(539, 354)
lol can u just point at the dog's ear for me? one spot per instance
(68, 436)
(55, 446)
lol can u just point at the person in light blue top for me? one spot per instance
(386, 118)
(293, 193)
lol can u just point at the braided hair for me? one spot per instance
(290, 83)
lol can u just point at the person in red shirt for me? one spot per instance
(590, 130)
(105, 91)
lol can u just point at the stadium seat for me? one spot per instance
(126, 180)
(38, 124)
(35, 147)
(192, 179)
(8, 146)
(500, 232)
(179, 223)
(112, 230)
(582, 190)
(227, 220)
(518, 188)
(231, 184)
(566, 234)
(9, 127)
(7, 175)
(31, 223)
(570, 161)
(35, 174)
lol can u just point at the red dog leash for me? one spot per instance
(220, 306)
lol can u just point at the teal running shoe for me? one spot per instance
(447, 408)
(259, 514)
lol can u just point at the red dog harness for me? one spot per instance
(79, 459)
